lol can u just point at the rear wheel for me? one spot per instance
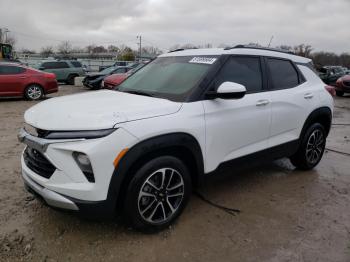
(339, 93)
(157, 194)
(70, 79)
(311, 148)
(34, 92)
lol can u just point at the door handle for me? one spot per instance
(22, 77)
(308, 96)
(262, 102)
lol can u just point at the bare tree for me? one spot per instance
(64, 48)
(303, 50)
(46, 51)
(113, 49)
(28, 51)
(151, 51)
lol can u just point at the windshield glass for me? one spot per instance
(173, 78)
(108, 70)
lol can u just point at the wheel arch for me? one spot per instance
(181, 145)
(322, 115)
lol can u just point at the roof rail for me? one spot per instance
(175, 50)
(260, 48)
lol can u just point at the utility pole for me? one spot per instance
(140, 47)
(270, 41)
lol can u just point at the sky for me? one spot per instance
(324, 24)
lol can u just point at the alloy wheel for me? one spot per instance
(161, 195)
(315, 146)
(34, 92)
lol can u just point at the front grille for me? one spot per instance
(42, 133)
(346, 83)
(38, 163)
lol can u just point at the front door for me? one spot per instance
(237, 127)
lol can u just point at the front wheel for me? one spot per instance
(157, 194)
(339, 93)
(311, 148)
(70, 79)
(34, 92)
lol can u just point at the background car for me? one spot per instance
(94, 80)
(330, 74)
(65, 70)
(18, 80)
(111, 81)
(343, 85)
(116, 64)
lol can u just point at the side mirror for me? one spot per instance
(228, 90)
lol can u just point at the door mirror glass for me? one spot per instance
(228, 90)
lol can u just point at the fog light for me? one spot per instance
(84, 164)
(83, 159)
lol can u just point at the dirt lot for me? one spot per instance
(287, 215)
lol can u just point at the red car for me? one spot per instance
(111, 81)
(343, 85)
(19, 80)
(114, 80)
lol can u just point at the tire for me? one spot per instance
(311, 149)
(70, 79)
(339, 93)
(34, 92)
(148, 207)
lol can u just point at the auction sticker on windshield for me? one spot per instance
(203, 60)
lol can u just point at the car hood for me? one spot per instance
(94, 76)
(96, 110)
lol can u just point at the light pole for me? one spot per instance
(140, 47)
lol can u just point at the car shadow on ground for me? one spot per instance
(214, 188)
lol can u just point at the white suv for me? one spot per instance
(141, 149)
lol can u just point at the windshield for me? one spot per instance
(173, 78)
(108, 70)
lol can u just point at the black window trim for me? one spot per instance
(262, 68)
(270, 87)
(23, 70)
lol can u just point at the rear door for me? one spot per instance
(59, 68)
(238, 127)
(12, 80)
(292, 100)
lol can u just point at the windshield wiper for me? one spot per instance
(134, 92)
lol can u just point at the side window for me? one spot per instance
(76, 64)
(282, 73)
(49, 65)
(242, 70)
(60, 65)
(11, 70)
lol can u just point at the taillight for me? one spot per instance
(330, 89)
(49, 75)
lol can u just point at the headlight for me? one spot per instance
(30, 129)
(79, 134)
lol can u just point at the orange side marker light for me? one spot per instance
(119, 157)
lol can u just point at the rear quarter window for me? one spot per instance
(11, 70)
(283, 74)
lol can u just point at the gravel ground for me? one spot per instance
(287, 215)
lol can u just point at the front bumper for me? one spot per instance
(343, 88)
(50, 197)
(67, 188)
